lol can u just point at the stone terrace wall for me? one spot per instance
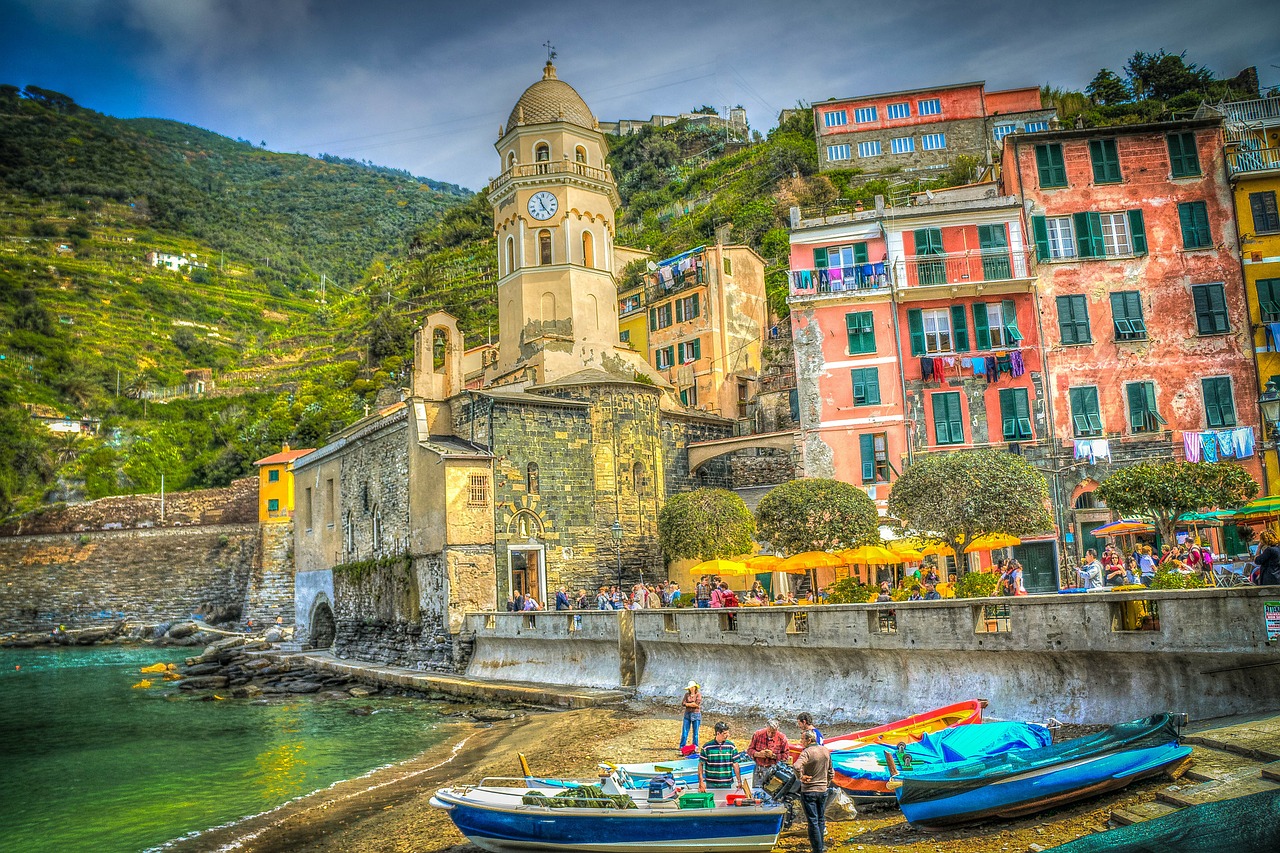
(152, 575)
(393, 615)
(235, 504)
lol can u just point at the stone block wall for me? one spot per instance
(374, 482)
(150, 575)
(270, 590)
(394, 614)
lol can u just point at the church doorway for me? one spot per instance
(525, 572)
(323, 627)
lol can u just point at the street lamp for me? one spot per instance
(615, 530)
(1269, 402)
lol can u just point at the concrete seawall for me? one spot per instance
(1068, 657)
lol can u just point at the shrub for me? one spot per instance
(850, 591)
(1168, 577)
(977, 585)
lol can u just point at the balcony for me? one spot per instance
(861, 278)
(959, 269)
(1266, 110)
(1247, 160)
(550, 167)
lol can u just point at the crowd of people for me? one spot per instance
(1139, 566)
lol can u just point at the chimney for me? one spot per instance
(284, 448)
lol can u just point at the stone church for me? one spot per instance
(552, 472)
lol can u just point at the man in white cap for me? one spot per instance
(692, 704)
(768, 746)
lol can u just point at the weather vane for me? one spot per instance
(551, 49)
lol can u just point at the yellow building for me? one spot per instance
(633, 329)
(275, 484)
(1253, 162)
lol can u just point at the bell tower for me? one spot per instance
(553, 214)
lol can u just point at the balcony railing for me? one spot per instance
(858, 278)
(982, 265)
(1259, 109)
(550, 167)
(1253, 160)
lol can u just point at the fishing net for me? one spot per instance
(583, 797)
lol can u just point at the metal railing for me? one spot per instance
(1258, 109)
(551, 167)
(964, 267)
(854, 279)
(1253, 160)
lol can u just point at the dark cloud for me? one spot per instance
(424, 85)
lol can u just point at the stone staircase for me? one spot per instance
(1227, 762)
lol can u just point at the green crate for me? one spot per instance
(697, 801)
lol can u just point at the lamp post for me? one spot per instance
(615, 530)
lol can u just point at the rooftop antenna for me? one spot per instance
(551, 50)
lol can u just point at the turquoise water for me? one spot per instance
(89, 764)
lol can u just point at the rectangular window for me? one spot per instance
(273, 505)
(861, 332)
(874, 449)
(1106, 162)
(835, 118)
(1060, 239)
(689, 396)
(845, 257)
(903, 145)
(869, 149)
(901, 110)
(933, 141)
(996, 324)
(866, 386)
(1085, 417)
(1211, 309)
(687, 308)
(1184, 160)
(1051, 166)
(629, 305)
(928, 242)
(1269, 299)
(1036, 127)
(624, 336)
(689, 351)
(948, 424)
(1219, 408)
(308, 508)
(1126, 315)
(863, 115)
(1143, 416)
(1073, 320)
(477, 490)
(660, 317)
(663, 357)
(1193, 216)
(273, 476)
(937, 330)
(330, 502)
(1115, 234)
(930, 107)
(1265, 216)
(839, 152)
(1015, 414)
(1000, 131)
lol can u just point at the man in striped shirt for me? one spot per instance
(717, 763)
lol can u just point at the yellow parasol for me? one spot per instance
(806, 560)
(907, 555)
(938, 549)
(763, 562)
(723, 568)
(992, 541)
(872, 555)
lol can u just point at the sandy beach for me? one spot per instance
(387, 810)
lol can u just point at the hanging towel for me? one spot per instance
(1084, 449)
(1016, 365)
(926, 369)
(1191, 446)
(1100, 448)
(1273, 335)
(1242, 438)
(966, 362)
(1210, 447)
(979, 366)
(1226, 443)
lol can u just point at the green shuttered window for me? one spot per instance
(1015, 414)
(959, 329)
(1073, 320)
(948, 424)
(1184, 161)
(1106, 162)
(1266, 217)
(1269, 299)
(874, 454)
(1086, 420)
(1143, 416)
(1211, 309)
(1194, 219)
(1126, 314)
(866, 386)
(1050, 165)
(860, 332)
(1219, 408)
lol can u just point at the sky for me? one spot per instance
(425, 85)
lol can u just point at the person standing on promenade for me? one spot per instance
(702, 593)
(1268, 559)
(813, 766)
(768, 746)
(1091, 572)
(718, 763)
(562, 599)
(692, 705)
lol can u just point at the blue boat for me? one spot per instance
(503, 816)
(683, 771)
(1027, 781)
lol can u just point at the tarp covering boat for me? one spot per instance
(909, 729)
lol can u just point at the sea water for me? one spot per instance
(90, 763)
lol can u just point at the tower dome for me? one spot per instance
(548, 100)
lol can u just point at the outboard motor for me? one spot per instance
(782, 785)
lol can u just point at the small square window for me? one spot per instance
(478, 490)
(992, 619)
(273, 476)
(798, 623)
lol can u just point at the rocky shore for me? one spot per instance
(182, 633)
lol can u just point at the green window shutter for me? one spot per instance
(1137, 406)
(1269, 299)
(1194, 219)
(853, 331)
(1266, 216)
(819, 259)
(1041, 231)
(981, 331)
(1009, 318)
(1137, 232)
(860, 331)
(866, 386)
(959, 329)
(1106, 162)
(928, 241)
(1066, 322)
(915, 323)
(860, 255)
(947, 425)
(873, 386)
(1024, 413)
(1097, 246)
(1050, 165)
(867, 446)
(1211, 309)
(1008, 414)
(679, 310)
(696, 312)
(1085, 418)
(1073, 320)
(1080, 223)
(1219, 408)
(1184, 160)
(653, 319)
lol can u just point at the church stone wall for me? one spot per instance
(677, 434)
(394, 614)
(374, 477)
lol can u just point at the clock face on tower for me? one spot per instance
(543, 205)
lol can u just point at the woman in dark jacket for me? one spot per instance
(1268, 560)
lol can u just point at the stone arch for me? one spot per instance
(542, 152)
(588, 249)
(580, 154)
(511, 254)
(1084, 490)
(323, 626)
(511, 159)
(525, 524)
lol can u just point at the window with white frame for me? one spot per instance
(930, 107)
(903, 145)
(1062, 239)
(1036, 126)
(838, 152)
(1115, 233)
(835, 118)
(902, 110)
(869, 149)
(1000, 131)
(937, 330)
(933, 141)
(863, 115)
(1000, 336)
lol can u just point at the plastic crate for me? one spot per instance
(697, 801)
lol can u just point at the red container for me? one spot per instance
(732, 799)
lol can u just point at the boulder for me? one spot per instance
(493, 715)
(181, 630)
(203, 682)
(305, 687)
(360, 692)
(275, 635)
(206, 668)
(91, 636)
(247, 691)
(161, 630)
(223, 645)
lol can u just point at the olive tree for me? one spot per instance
(1162, 491)
(817, 515)
(705, 524)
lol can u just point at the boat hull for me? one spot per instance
(509, 828)
(909, 729)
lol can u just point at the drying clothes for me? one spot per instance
(1084, 449)
(926, 369)
(836, 277)
(1226, 443)
(1191, 446)
(949, 361)
(1242, 438)
(667, 275)
(1100, 449)
(1004, 364)
(824, 278)
(1209, 447)
(992, 376)
(979, 366)
(1273, 336)
(1016, 365)
(966, 362)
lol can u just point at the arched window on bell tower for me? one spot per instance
(580, 155)
(542, 155)
(544, 247)
(511, 159)
(588, 250)
(511, 254)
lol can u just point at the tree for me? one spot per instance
(705, 524)
(1162, 491)
(958, 497)
(1106, 88)
(817, 515)
(1162, 75)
